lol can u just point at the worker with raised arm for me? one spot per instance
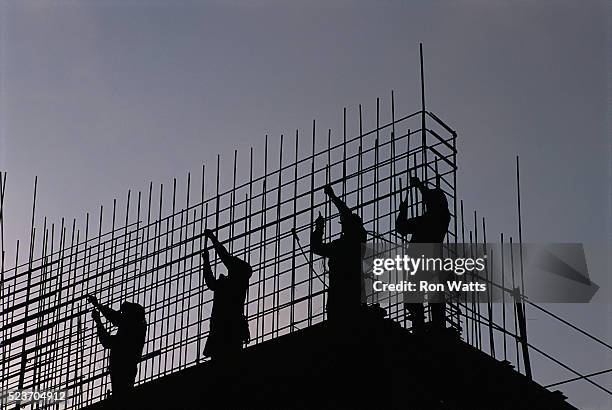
(345, 255)
(428, 230)
(228, 326)
(125, 346)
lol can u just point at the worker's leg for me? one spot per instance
(438, 314)
(122, 381)
(416, 314)
(437, 300)
(413, 303)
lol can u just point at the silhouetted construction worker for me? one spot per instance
(345, 256)
(229, 328)
(429, 228)
(125, 346)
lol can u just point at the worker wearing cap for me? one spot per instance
(126, 345)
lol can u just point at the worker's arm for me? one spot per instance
(224, 255)
(111, 315)
(316, 239)
(423, 189)
(105, 338)
(402, 217)
(209, 278)
(405, 226)
(401, 222)
(340, 205)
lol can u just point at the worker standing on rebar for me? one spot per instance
(125, 346)
(229, 327)
(345, 256)
(428, 230)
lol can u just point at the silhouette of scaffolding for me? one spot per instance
(148, 251)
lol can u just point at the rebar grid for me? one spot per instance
(150, 254)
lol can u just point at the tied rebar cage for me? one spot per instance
(151, 253)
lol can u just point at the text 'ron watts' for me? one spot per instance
(425, 286)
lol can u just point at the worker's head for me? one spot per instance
(133, 312)
(352, 225)
(436, 201)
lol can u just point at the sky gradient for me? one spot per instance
(100, 97)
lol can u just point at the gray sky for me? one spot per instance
(99, 97)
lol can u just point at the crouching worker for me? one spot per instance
(229, 328)
(125, 346)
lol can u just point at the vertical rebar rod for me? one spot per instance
(343, 154)
(28, 289)
(392, 206)
(72, 262)
(516, 332)
(327, 209)
(58, 298)
(167, 288)
(294, 226)
(488, 279)
(262, 257)
(112, 257)
(233, 204)
(312, 190)
(217, 204)
(14, 286)
(376, 209)
(414, 193)
(520, 304)
(4, 381)
(201, 284)
(277, 244)
(467, 333)
(145, 260)
(474, 332)
(200, 270)
(78, 374)
(360, 166)
(455, 222)
(38, 336)
(248, 249)
(503, 294)
(156, 262)
(477, 294)
(186, 290)
(520, 224)
(423, 119)
(409, 197)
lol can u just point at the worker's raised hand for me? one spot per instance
(92, 299)
(329, 190)
(209, 233)
(320, 222)
(414, 181)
